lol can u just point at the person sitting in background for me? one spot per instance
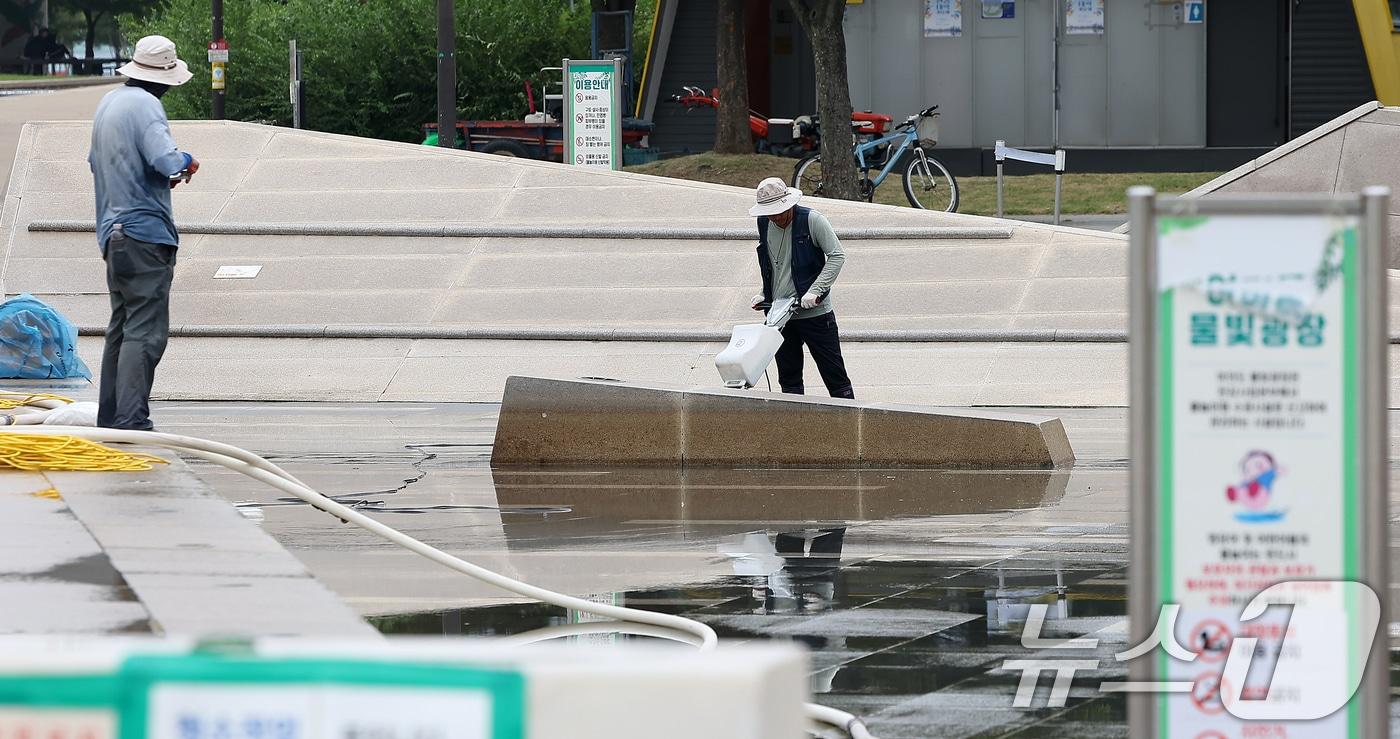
(55, 50)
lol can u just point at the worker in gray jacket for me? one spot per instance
(799, 257)
(135, 164)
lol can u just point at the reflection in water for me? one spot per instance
(724, 502)
(793, 571)
(1009, 605)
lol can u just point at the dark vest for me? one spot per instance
(807, 258)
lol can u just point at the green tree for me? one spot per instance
(94, 11)
(732, 135)
(369, 65)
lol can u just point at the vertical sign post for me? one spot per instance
(296, 90)
(1259, 456)
(593, 113)
(217, 68)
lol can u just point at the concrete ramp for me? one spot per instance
(387, 271)
(603, 422)
(1356, 150)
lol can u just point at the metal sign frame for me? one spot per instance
(613, 66)
(1371, 419)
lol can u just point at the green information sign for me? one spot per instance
(207, 696)
(593, 113)
(1259, 360)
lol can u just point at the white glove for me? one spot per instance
(757, 300)
(810, 300)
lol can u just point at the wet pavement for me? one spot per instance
(910, 587)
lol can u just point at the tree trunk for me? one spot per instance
(822, 22)
(92, 20)
(732, 135)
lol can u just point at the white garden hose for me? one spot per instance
(254, 466)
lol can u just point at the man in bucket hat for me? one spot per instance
(799, 257)
(135, 164)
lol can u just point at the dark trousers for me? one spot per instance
(138, 278)
(824, 342)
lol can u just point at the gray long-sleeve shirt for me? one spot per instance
(132, 160)
(780, 251)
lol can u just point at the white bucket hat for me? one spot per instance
(774, 197)
(155, 61)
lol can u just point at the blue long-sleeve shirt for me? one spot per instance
(132, 159)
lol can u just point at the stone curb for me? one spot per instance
(1013, 336)
(535, 232)
(59, 83)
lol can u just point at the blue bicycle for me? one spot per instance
(927, 183)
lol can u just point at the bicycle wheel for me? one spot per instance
(807, 175)
(930, 186)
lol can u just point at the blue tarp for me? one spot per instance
(36, 343)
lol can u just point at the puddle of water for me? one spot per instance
(918, 636)
(721, 494)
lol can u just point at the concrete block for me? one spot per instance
(899, 435)
(583, 422)
(750, 427)
(587, 422)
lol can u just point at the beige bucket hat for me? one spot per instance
(155, 61)
(773, 196)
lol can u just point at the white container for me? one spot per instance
(751, 347)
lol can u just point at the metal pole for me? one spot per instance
(301, 92)
(1059, 177)
(218, 28)
(1055, 77)
(294, 89)
(1375, 475)
(446, 74)
(1000, 163)
(1142, 447)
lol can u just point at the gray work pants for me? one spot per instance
(138, 278)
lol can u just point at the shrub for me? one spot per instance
(370, 65)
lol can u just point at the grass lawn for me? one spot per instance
(1084, 193)
(7, 77)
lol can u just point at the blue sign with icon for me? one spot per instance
(1195, 11)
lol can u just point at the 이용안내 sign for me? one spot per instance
(1259, 456)
(593, 113)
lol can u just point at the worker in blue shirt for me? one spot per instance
(135, 164)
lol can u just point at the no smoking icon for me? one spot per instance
(1211, 640)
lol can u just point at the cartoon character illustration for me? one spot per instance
(1256, 491)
